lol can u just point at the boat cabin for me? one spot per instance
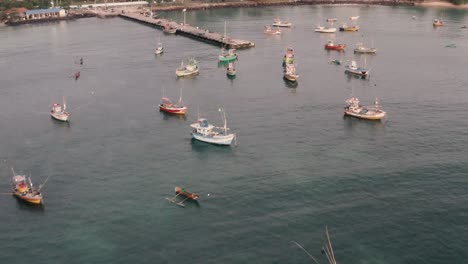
(56, 108)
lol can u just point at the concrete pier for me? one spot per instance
(190, 31)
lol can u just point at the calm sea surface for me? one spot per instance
(390, 192)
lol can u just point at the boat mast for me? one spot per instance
(13, 170)
(332, 255)
(223, 116)
(180, 97)
(64, 104)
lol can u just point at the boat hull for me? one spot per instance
(29, 199)
(336, 47)
(158, 52)
(171, 110)
(231, 73)
(349, 29)
(378, 116)
(368, 51)
(216, 140)
(326, 30)
(291, 78)
(227, 58)
(60, 117)
(282, 25)
(357, 73)
(180, 191)
(186, 73)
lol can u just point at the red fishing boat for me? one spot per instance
(332, 46)
(167, 106)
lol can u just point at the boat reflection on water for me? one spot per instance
(355, 125)
(223, 64)
(203, 147)
(290, 84)
(168, 116)
(59, 123)
(35, 208)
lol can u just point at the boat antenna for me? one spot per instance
(307, 252)
(198, 111)
(223, 116)
(64, 104)
(180, 96)
(13, 170)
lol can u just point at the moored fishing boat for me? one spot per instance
(438, 22)
(168, 29)
(353, 108)
(331, 20)
(226, 56)
(59, 112)
(331, 45)
(360, 48)
(354, 69)
(231, 69)
(351, 28)
(23, 189)
(188, 70)
(288, 57)
(280, 23)
(321, 29)
(159, 49)
(270, 31)
(354, 18)
(290, 73)
(168, 106)
(206, 132)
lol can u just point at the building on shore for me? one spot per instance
(51, 13)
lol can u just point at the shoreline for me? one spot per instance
(442, 4)
(203, 6)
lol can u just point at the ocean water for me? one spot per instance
(394, 191)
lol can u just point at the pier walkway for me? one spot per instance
(190, 31)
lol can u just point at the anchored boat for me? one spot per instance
(332, 19)
(167, 106)
(270, 31)
(231, 69)
(24, 190)
(438, 23)
(288, 57)
(279, 23)
(230, 55)
(59, 112)
(321, 29)
(206, 132)
(351, 28)
(360, 48)
(159, 49)
(353, 108)
(354, 18)
(188, 70)
(290, 73)
(354, 69)
(332, 46)
(169, 30)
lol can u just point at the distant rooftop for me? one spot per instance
(43, 11)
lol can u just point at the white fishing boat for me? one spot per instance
(353, 108)
(290, 73)
(321, 29)
(280, 23)
(270, 31)
(188, 70)
(206, 132)
(354, 69)
(159, 49)
(59, 112)
(354, 18)
(360, 48)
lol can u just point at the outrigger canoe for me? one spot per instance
(182, 192)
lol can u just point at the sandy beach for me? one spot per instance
(442, 4)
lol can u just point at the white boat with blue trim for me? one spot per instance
(206, 132)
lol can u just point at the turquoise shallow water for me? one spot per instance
(390, 192)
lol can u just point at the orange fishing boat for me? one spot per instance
(24, 190)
